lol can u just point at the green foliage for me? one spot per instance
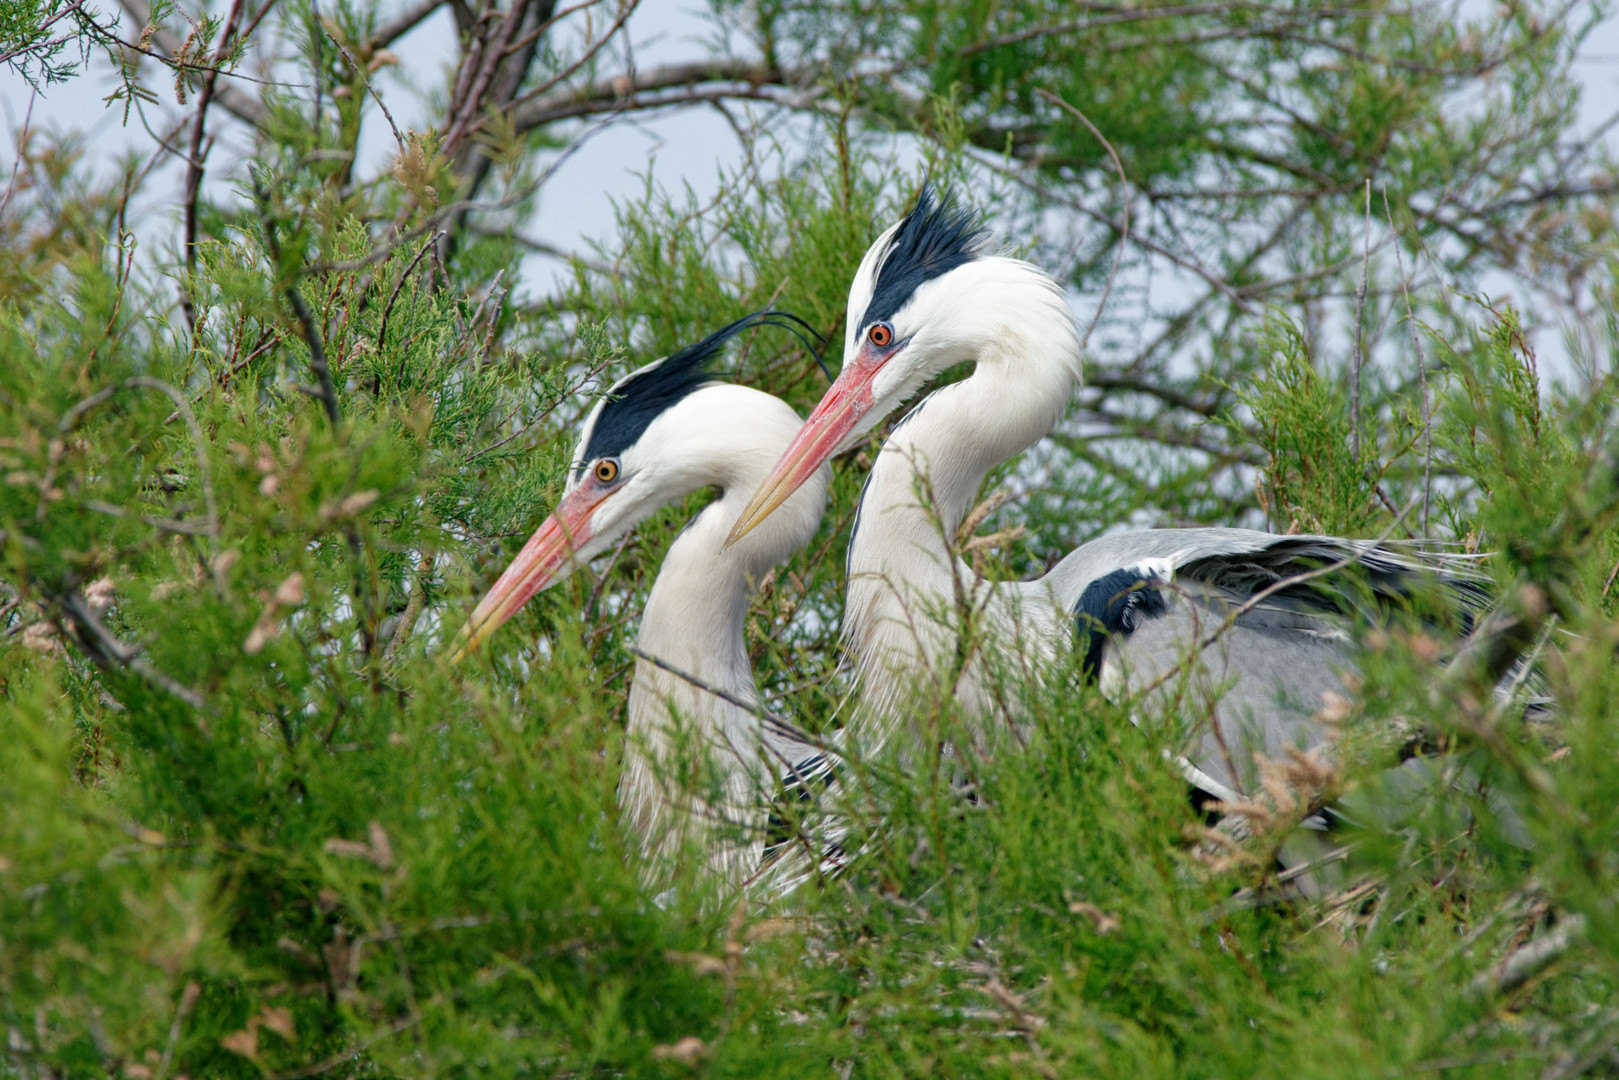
(38, 38)
(253, 823)
(1313, 477)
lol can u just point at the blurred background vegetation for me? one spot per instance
(252, 474)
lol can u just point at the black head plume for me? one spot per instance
(933, 240)
(640, 397)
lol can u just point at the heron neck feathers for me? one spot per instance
(904, 579)
(693, 621)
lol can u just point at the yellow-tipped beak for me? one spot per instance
(547, 551)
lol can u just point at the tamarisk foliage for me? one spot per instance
(254, 473)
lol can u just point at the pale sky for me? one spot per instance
(680, 146)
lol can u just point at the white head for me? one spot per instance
(928, 295)
(658, 434)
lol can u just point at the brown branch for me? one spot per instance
(1096, 380)
(485, 59)
(198, 157)
(22, 146)
(623, 92)
(1213, 279)
(365, 80)
(41, 28)
(402, 24)
(1422, 373)
(173, 525)
(463, 206)
(112, 654)
(535, 34)
(542, 247)
(382, 332)
(347, 1056)
(1528, 961)
(71, 418)
(1110, 15)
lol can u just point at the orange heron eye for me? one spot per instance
(607, 470)
(880, 335)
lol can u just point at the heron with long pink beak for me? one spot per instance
(1132, 608)
(700, 766)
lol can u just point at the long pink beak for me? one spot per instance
(548, 550)
(846, 401)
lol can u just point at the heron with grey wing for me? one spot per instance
(1138, 606)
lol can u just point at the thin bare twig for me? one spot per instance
(306, 320)
(1612, 577)
(199, 155)
(535, 34)
(111, 653)
(1422, 374)
(1124, 202)
(347, 1056)
(402, 24)
(174, 525)
(22, 144)
(28, 46)
(1530, 960)
(188, 1001)
(245, 108)
(432, 222)
(382, 331)
(366, 80)
(708, 688)
(1360, 331)
(1349, 559)
(626, 9)
(542, 247)
(413, 609)
(1596, 1048)
(71, 418)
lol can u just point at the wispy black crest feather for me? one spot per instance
(933, 240)
(641, 397)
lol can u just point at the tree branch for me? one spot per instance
(402, 24)
(624, 92)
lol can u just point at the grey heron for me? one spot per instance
(693, 730)
(929, 294)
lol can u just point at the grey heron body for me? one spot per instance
(699, 766)
(929, 295)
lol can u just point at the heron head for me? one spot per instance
(928, 295)
(632, 458)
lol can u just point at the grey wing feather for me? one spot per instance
(1261, 682)
(1255, 690)
(1241, 561)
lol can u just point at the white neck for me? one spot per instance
(692, 760)
(906, 586)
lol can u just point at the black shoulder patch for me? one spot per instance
(933, 240)
(801, 781)
(1111, 605)
(641, 397)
